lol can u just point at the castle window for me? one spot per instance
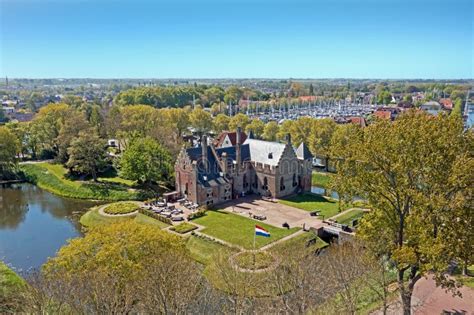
(294, 180)
(282, 184)
(265, 183)
(270, 155)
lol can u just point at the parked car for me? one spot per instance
(259, 217)
(177, 218)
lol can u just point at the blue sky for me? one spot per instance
(229, 38)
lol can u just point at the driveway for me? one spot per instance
(276, 213)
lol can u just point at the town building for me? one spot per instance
(207, 175)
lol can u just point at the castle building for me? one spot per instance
(207, 175)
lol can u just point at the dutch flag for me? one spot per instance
(261, 231)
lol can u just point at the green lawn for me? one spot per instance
(10, 282)
(320, 179)
(92, 218)
(468, 280)
(239, 230)
(313, 202)
(300, 240)
(347, 217)
(203, 250)
(53, 178)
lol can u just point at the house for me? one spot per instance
(389, 113)
(431, 107)
(207, 175)
(447, 103)
(228, 139)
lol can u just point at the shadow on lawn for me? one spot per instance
(309, 197)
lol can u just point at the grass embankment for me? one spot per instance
(12, 290)
(467, 280)
(53, 178)
(184, 227)
(92, 218)
(121, 208)
(313, 202)
(320, 179)
(254, 261)
(203, 250)
(349, 216)
(239, 230)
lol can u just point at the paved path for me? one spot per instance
(429, 299)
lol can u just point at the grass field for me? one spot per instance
(300, 240)
(10, 282)
(347, 217)
(184, 227)
(320, 179)
(312, 202)
(239, 230)
(203, 250)
(92, 218)
(53, 178)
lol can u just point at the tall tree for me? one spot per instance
(239, 120)
(271, 130)
(9, 147)
(256, 127)
(200, 120)
(146, 161)
(221, 123)
(320, 138)
(411, 171)
(87, 154)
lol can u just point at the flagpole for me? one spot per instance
(254, 235)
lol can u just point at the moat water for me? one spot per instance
(35, 224)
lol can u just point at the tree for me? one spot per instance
(221, 123)
(311, 89)
(73, 125)
(320, 138)
(87, 154)
(125, 268)
(239, 120)
(9, 147)
(146, 161)
(257, 127)
(271, 130)
(200, 120)
(410, 172)
(179, 120)
(457, 110)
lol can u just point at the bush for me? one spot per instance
(198, 214)
(121, 208)
(156, 216)
(184, 227)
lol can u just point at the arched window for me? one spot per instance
(265, 183)
(246, 184)
(294, 180)
(282, 183)
(186, 189)
(256, 182)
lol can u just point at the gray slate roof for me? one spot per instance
(265, 152)
(303, 152)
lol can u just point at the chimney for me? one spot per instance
(204, 152)
(225, 165)
(237, 149)
(288, 138)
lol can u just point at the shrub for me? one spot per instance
(198, 214)
(184, 227)
(156, 216)
(121, 208)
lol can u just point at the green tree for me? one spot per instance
(9, 147)
(200, 120)
(311, 89)
(73, 125)
(257, 127)
(239, 120)
(320, 138)
(271, 130)
(87, 154)
(457, 110)
(146, 161)
(221, 123)
(411, 173)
